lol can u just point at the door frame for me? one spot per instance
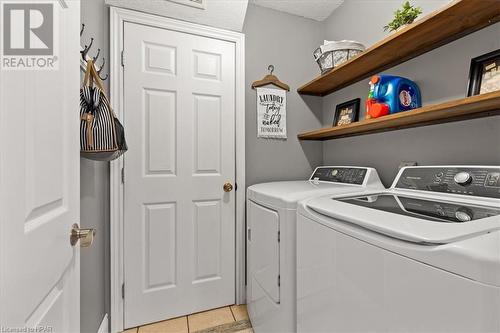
(118, 17)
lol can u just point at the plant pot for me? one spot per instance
(405, 25)
(402, 27)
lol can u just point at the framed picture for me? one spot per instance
(346, 113)
(484, 74)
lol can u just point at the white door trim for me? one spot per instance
(118, 16)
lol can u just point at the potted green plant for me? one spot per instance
(403, 16)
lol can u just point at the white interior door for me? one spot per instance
(39, 188)
(179, 223)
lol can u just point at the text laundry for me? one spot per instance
(271, 98)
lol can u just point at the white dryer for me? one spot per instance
(422, 256)
(271, 240)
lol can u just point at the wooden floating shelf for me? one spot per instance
(454, 21)
(471, 107)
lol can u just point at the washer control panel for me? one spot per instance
(475, 181)
(339, 175)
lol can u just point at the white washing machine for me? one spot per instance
(271, 240)
(422, 256)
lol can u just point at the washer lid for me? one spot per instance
(286, 194)
(431, 210)
(324, 180)
(413, 219)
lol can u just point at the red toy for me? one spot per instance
(374, 109)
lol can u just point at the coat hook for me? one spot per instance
(270, 68)
(102, 65)
(103, 78)
(97, 55)
(86, 49)
(82, 29)
(100, 70)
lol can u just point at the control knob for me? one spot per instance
(463, 215)
(463, 178)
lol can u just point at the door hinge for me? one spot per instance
(249, 234)
(123, 58)
(279, 236)
(235, 186)
(123, 175)
(123, 290)
(279, 280)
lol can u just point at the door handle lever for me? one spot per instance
(85, 236)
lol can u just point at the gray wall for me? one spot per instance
(94, 194)
(287, 42)
(363, 20)
(442, 75)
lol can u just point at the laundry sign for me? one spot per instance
(271, 113)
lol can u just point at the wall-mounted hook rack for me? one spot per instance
(85, 56)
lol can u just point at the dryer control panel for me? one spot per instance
(339, 175)
(474, 181)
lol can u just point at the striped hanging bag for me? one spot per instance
(102, 137)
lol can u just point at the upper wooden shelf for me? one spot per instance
(470, 107)
(456, 20)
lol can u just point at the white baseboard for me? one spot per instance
(103, 328)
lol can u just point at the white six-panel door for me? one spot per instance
(179, 224)
(39, 189)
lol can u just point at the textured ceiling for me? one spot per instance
(314, 9)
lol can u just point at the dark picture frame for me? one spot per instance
(479, 68)
(347, 113)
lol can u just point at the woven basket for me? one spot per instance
(332, 54)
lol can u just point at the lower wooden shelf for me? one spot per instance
(471, 107)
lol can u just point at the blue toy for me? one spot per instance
(391, 94)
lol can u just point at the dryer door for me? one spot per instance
(263, 250)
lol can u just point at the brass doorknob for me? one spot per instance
(86, 236)
(228, 187)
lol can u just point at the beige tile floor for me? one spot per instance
(216, 320)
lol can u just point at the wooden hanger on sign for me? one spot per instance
(270, 79)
